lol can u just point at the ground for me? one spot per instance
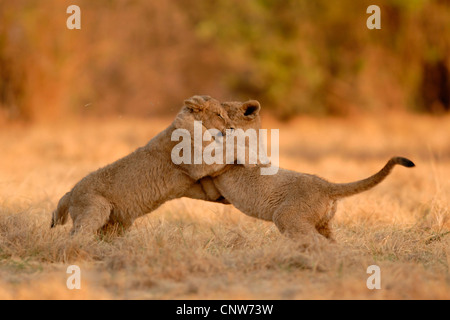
(190, 249)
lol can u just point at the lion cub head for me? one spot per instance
(209, 111)
(244, 115)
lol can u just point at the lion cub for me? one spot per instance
(114, 196)
(299, 204)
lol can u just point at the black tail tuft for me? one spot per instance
(404, 162)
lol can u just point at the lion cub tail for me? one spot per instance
(59, 216)
(341, 190)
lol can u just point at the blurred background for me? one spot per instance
(344, 97)
(143, 58)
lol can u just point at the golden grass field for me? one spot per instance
(190, 249)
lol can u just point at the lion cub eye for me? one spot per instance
(220, 116)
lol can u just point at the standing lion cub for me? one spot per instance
(299, 204)
(114, 196)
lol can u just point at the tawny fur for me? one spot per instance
(299, 204)
(112, 197)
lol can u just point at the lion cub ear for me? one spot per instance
(196, 103)
(251, 108)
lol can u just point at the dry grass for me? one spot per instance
(197, 250)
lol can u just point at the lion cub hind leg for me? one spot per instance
(89, 214)
(294, 223)
(323, 226)
(114, 228)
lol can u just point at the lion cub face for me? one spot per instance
(244, 115)
(209, 111)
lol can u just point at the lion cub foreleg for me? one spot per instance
(205, 189)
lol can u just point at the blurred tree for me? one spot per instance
(317, 57)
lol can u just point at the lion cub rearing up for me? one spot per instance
(299, 204)
(114, 196)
